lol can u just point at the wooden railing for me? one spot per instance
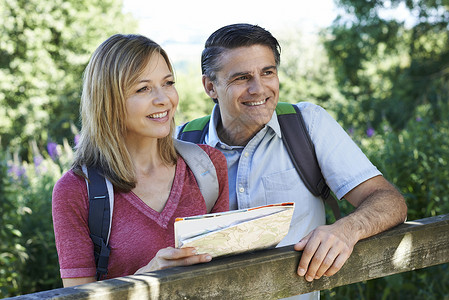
(271, 274)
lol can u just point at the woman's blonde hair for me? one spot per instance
(112, 70)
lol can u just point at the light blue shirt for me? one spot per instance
(262, 172)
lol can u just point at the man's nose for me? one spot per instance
(255, 85)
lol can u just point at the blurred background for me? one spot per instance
(381, 68)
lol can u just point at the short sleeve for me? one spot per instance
(342, 162)
(70, 221)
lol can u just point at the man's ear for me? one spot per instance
(209, 87)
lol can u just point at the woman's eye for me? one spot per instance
(170, 83)
(144, 89)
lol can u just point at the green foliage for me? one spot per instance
(305, 73)
(193, 100)
(44, 48)
(12, 253)
(416, 160)
(386, 68)
(395, 81)
(28, 259)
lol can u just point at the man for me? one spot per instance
(240, 73)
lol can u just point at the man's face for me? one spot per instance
(247, 88)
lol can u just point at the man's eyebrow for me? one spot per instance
(238, 74)
(269, 68)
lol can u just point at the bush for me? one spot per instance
(416, 160)
(28, 258)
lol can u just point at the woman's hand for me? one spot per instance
(172, 257)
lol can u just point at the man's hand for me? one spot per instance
(325, 250)
(379, 207)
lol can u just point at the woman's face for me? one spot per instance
(152, 102)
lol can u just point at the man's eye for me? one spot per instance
(244, 77)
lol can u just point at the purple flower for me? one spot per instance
(16, 171)
(12, 169)
(76, 139)
(351, 131)
(418, 119)
(52, 151)
(38, 159)
(370, 132)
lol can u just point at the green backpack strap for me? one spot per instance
(202, 168)
(195, 130)
(302, 153)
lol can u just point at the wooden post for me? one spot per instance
(271, 274)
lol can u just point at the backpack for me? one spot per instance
(101, 198)
(297, 142)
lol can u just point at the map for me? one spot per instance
(236, 231)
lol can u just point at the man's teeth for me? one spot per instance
(256, 103)
(158, 115)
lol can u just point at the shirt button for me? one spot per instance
(241, 190)
(246, 154)
(222, 146)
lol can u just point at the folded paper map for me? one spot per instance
(235, 231)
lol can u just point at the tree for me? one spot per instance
(44, 48)
(394, 75)
(387, 68)
(304, 72)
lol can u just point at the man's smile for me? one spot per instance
(252, 103)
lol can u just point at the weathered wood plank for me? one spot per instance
(271, 274)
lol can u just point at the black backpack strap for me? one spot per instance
(194, 131)
(99, 219)
(302, 152)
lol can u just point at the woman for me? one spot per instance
(127, 109)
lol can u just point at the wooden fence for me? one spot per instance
(271, 274)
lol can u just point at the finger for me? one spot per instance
(201, 258)
(187, 261)
(309, 250)
(317, 260)
(327, 262)
(171, 253)
(338, 263)
(299, 246)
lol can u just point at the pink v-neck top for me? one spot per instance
(137, 231)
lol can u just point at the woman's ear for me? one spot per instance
(209, 87)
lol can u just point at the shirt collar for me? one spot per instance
(214, 140)
(274, 124)
(213, 135)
